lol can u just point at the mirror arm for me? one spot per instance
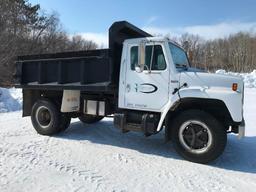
(152, 55)
(147, 67)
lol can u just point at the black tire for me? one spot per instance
(90, 119)
(65, 122)
(198, 136)
(47, 118)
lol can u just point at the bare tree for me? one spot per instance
(25, 29)
(234, 53)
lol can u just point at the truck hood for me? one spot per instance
(200, 79)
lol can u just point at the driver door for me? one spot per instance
(149, 89)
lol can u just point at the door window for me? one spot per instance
(134, 55)
(154, 60)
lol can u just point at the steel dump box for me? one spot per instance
(93, 70)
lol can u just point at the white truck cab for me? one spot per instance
(156, 77)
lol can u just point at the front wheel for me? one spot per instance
(198, 136)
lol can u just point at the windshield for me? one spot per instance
(179, 56)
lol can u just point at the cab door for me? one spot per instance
(149, 89)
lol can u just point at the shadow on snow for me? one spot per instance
(239, 155)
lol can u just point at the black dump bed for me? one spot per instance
(94, 70)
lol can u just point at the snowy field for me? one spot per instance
(100, 158)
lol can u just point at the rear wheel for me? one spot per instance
(47, 118)
(89, 119)
(198, 136)
(65, 122)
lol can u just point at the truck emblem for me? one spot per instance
(145, 88)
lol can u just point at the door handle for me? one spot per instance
(128, 87)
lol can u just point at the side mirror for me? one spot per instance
(142, 49)
(139, 68)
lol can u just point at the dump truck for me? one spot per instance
(146, 83)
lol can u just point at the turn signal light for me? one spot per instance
(234, 86)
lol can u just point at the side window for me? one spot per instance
(158, 61)
(134, 57)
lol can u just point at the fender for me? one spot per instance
(232, 100)
(171, 103)
(175, 99)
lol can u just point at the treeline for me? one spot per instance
(234, 53)
(26, 29)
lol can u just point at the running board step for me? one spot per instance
(133, 127)
(148, 123)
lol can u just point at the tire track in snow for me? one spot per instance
(119, 163)
(34, 155)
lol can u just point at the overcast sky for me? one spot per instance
(209, 19)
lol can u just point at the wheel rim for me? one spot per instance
(195, 136)
(43, 116)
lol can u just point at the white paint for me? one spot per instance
(214, 86)
(134, 85)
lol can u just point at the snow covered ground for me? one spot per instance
(10, 99)
(100, 158)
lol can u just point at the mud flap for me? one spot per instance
(70, 101)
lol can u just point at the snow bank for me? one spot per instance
(249, 78)
(10, 100)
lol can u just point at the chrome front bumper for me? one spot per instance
(241, 130)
